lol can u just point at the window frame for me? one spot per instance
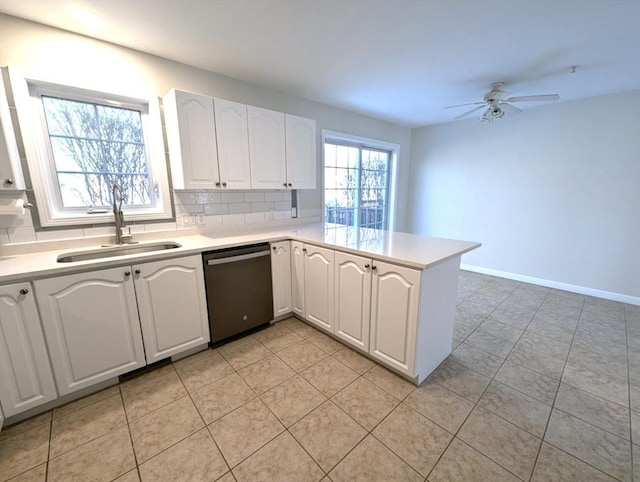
(27, 91)
(371, 144)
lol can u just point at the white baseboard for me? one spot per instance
(607, 295)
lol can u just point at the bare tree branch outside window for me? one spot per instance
(94, 146)
(356, 185)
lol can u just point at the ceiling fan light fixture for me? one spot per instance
(486, 116)
(497, 112)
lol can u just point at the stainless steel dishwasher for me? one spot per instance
(239, 290)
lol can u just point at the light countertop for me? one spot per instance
(411, 250)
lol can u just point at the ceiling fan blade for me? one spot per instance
(462, 116)
(533, 98)
(510, 109)
(463, 105)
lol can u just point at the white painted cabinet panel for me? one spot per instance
(191, 136)
(352, 299)
(26, 379)
(11, 177)
(232, 134)
(281, 275)
(301, 152)
(172, 305)
(91, 325)
(297, 278)
(267, 148)
(318, 286)
(395, 296)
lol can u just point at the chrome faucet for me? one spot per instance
(118, 216)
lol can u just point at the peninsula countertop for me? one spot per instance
(412, 250)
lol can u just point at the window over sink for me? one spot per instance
(80, 142)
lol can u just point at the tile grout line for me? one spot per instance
(475, 404)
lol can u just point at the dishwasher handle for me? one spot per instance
(233, 259)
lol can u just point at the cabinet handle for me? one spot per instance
(127, 273)
(137, 271)
(289, 184)
(374, 268)
(24, 291)
(285, 184)
(224, 184)
(8, 182)
(366, 266)
(274, 248)
(304, 250)
(217, 184)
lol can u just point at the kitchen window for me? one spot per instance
(81, 143)
(358, 182)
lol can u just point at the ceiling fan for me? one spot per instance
(496, 103)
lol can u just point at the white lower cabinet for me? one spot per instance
(395, 295)
(297, 278)
(375, 306)
(352, 299)
(172, 305)
(92, 326)
(318, 286)
(26, 380)
(281, 276)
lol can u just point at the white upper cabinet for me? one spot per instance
(352, 299)
(91, 325)
(267, 148)
(26, 380)
(318, 286)
(11, 178)
(191, 137)
(395, 296)
(232, 134)
(172, 305)
(216, 143)
(281, 276)
(300, 152)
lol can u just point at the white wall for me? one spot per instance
(52, 52)
(553, 193)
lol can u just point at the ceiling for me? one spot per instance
(399, 60)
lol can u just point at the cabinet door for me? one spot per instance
(191, 136)
(267, 148)
(394, 315)
(232, 135)
(172, 306)
(281, 273)
(11, 177)
(301, 152)
(297, 278)
(318, 286)
(352, 299)
(91, 325)
(26, 380)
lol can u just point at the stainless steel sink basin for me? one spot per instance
(111, 251)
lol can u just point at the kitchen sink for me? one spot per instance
(111, 251)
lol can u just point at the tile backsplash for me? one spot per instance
(193, 209)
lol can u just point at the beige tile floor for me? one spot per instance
(542, 385)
